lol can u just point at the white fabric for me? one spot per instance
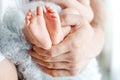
(1, 57)
(4, 4)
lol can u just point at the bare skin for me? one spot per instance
(7, 68)
(66, 53)
(7, 71)
(56, 32)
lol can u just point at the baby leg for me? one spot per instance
(37, 27)
(53, 25)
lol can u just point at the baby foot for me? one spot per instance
(37, 26)
(53, 25)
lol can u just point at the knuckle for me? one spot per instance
(74, 58)
(45, 58)
(73, 72)
(51, 65)
(53, 74)
(51, 53)
(73, 67)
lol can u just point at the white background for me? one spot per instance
(115, 61)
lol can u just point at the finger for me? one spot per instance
(76, 21)
(71, 19)
(55, 73)
(62, 58)
(40, 51)
(60, 72)
(80, 6)
(77, 5)
(72, 65)
(53, 65)
(74, 70)
(59, 49)
(39, 56)
(50, 64)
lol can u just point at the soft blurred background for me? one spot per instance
(109, 60)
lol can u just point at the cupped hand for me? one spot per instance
(72, 55)
(77, 49)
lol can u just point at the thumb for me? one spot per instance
(60, 49)
(71, 19)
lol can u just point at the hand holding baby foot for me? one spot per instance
(81, 45)
(48, 25)
(83, 6)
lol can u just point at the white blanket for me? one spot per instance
(14, 46)
(1, 57)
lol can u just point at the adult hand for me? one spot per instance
(72, 55)
(81, 5)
